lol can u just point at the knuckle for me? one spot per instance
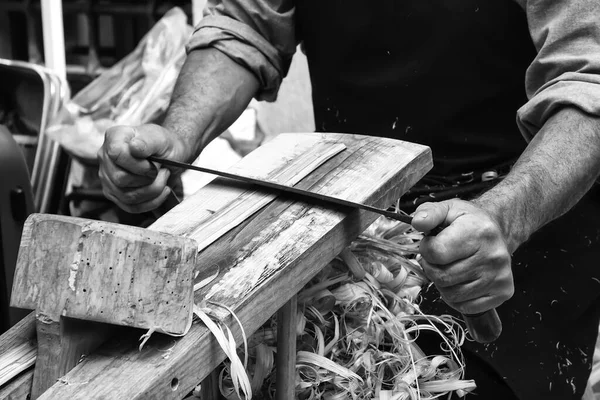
(132, 197)
(113, 149)
(441, 279)
(434, 252)
(121, 179)
(488, 230)
(500, 258)
(107, 193)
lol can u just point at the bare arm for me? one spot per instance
(469, 261)
(240, 50)
(558, 167)
(211, 92)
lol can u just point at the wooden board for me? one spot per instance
(262, 264)
(104, 272)
(21, 336)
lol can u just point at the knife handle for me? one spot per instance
(484, 327)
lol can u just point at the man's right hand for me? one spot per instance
(131, 181)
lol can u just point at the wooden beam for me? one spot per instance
(61, 345)
(287, 321)
(19, 388)
(262, 263)
(209, 389)
(15, 379)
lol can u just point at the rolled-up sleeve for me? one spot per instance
(566, 71)
(258, 34)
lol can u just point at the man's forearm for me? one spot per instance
(210, 94)
(558, 167)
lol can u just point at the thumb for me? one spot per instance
(430, 215)
(150, 140)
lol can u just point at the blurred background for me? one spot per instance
(71, 69)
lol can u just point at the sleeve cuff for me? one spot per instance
(246, 47)
(570, 89)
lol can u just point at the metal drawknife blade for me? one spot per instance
(484, 328)
(283, 188)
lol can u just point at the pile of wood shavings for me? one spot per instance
(358, 322)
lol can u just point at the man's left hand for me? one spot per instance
(468, 261)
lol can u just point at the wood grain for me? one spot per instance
(17, 360)
(98, 271)
(61, 345)
(263, 263)
(287, 319)
(104, 272)
(20, 336)
(236, 203)
(19, 388)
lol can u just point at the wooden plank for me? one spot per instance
(19, 388)
(287, 320)
(61, 345)
(19, 338)
(263, 263)
(98, 271)
(228, 203)
(16, 360)
(209, 388)
(104, 272)
(22, 332)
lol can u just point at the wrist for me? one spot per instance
(186, 146)
(503, 212)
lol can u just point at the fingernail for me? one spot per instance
(136, 142)
(420, 215)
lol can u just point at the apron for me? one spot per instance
(450, 74)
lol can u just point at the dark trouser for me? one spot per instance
(551, 322)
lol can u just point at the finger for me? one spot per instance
(142, 207)
(150, 140)
(122, 178)
(495, 288)
(451, 247)
(478, 305)
(465, 292)
(119, 149)
(136, 196)
(430, 215)
(453, 274)
(453, 244)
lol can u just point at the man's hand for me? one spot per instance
(468, 261)
(131, 181)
